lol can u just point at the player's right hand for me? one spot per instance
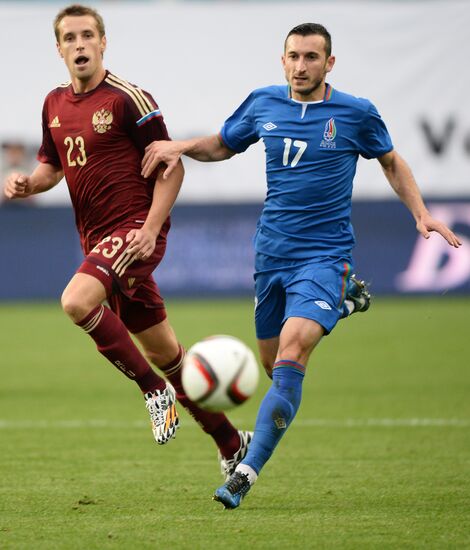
(158, 152)
(16, 186)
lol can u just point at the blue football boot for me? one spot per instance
(357, 297)
(231, 493)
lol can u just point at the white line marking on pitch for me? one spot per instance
(301, 422)
(385, 422)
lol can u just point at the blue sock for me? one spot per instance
(276, 412)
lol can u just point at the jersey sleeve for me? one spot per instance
(47, 153)
(374, 139)
(239, 130)
(144, 121)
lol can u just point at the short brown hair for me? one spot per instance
(306, 29)
(76, 10)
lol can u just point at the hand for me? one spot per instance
(157, 152)
(17, 186)
(427, 223)
(141, 243)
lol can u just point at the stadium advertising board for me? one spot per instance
(210, 251)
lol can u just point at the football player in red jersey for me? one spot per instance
(95, 130)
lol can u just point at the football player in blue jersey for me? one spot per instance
(313, 136)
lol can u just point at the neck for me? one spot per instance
(316, 94)
(83, 86)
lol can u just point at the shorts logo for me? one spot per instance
(104, 270)
(130, 281)
(329, 134)
(322, 304)
(269, 126)
(102, 121)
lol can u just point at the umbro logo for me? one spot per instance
(322, 304)
(269, 126)
(55, 123)
(131, 281)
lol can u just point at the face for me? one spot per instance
(81, 47)
(306, 65)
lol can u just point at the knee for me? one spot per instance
(81, 296)
(74, 307)
(297, 345)
(294, 351)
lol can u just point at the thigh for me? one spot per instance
(118, 271)
(85, 290)
(298, 338)
(316, 291)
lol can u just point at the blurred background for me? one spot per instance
(200, 60)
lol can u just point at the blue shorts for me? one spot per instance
(313, 290)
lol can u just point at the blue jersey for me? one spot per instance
(311, 156)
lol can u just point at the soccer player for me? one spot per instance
(95, 129)
(313, 135)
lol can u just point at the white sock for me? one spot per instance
(248, 470)
(349, 305)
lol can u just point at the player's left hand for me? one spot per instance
(427, 224)
(166, 152)
(141, 243)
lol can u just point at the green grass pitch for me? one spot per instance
(377, 458)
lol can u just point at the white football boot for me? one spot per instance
(163, 416)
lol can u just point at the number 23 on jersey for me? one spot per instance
(76, 153)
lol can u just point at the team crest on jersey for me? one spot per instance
(329, 135)
(102, 121)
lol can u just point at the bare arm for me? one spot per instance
(142, 241)
(44, 177)
(205, 149)
(401, 179)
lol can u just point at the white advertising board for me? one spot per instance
(200, 60)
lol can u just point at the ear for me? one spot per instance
(59, 50)
(330, 63)
(103, 45)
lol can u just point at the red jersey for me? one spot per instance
(98, 138)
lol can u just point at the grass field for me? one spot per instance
(378, 456)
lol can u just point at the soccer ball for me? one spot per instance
(219, 373)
